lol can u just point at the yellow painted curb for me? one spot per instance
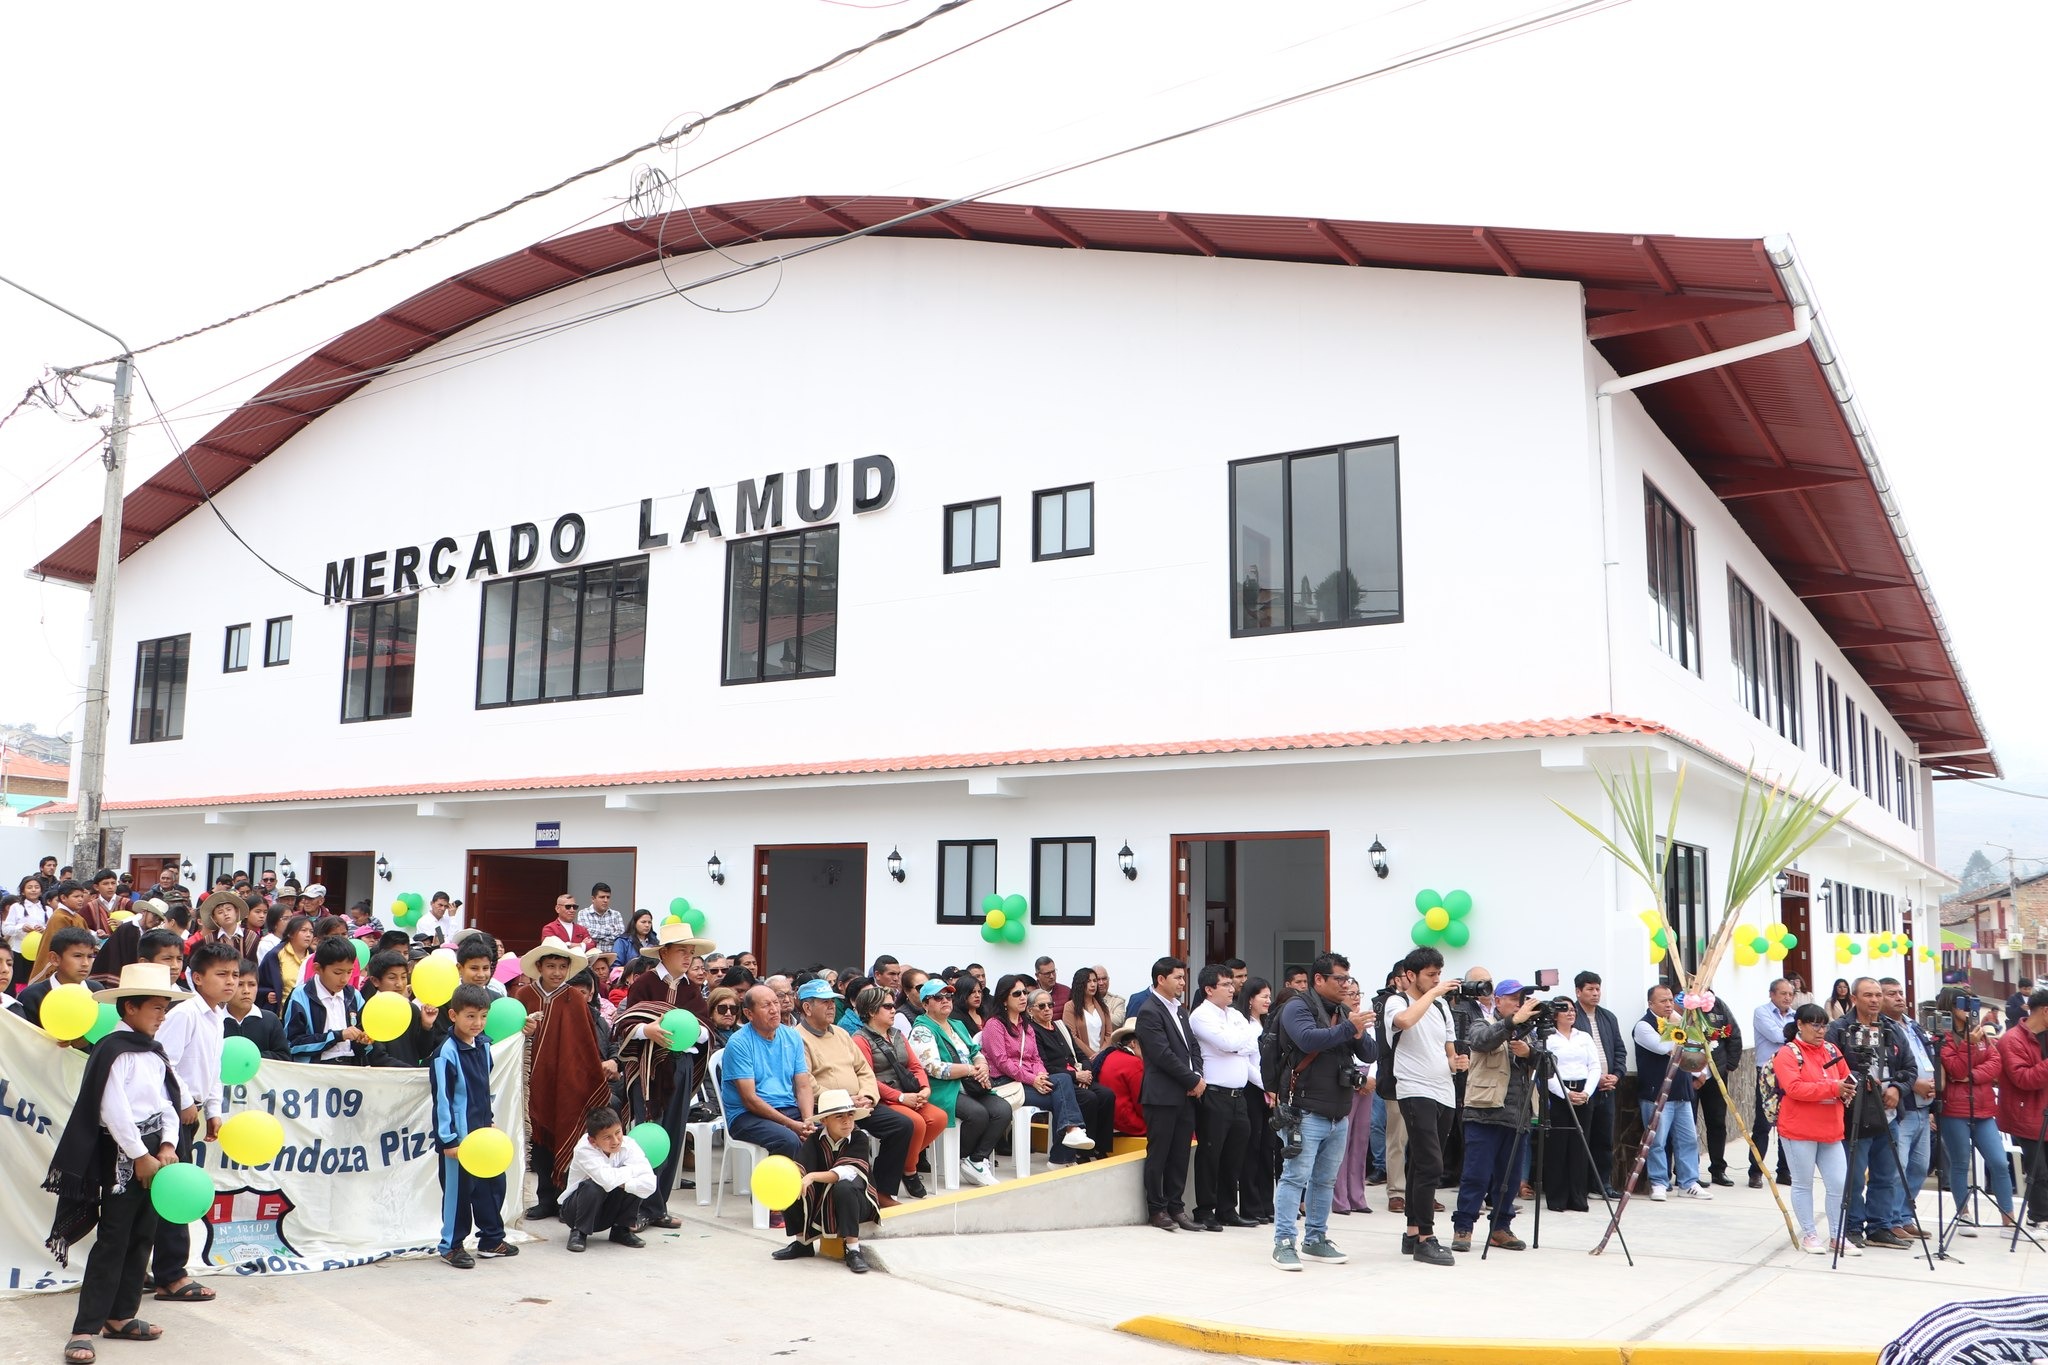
(1314, 1348)
(939, 1199)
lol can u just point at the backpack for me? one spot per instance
(1770, 1095)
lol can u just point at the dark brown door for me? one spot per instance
(1795, 911)
(331, 870)
(143, 869)
(510, 898)
(1177, 921)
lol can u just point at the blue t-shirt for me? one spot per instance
(772, 1064)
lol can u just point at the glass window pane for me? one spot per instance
(355, 691)
(174, 709)
(280, 641)
(1258, 549)
(1051, 523)
(405, 618)
(1080, 508)
(594, 653)
(982, 877)
(142, 721)
(494, 651)
(748, 561)
(953, 877)
(629, 626)
(821, 601)
(960, 539)
(527, 623)
(564, 606)
(987, 529)
(779, 644)
(1316, 574)
(1372, 528)
(1052, 882)
(1080, 888)
(378, 666)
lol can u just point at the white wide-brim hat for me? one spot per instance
(140, 979)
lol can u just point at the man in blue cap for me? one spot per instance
(837, 1064)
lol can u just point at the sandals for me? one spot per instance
(79, 1351)
(193, 1292)
(135, 1329)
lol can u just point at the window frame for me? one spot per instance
(1287, 459)
(227, 648)
(1788, 706)
(974, 565)
(372, 606)
(1684, 921)
(260, 863)
(1038, 498)
(580, 613)
(136, 710)
(733, 549)
(1749, 649)
(1037, 896)
(972, 913)
(217, 863)
(1684, 650)
(271, 658)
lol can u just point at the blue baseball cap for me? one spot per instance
(935, 986)
(817, 989)
(1510, 987)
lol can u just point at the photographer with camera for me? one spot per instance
(1654, 1056)
(1971, 1062)
(1424, 1062)
(1496, 1102)
(1321, 1051)
(1878, 1057)
(2023, 1096)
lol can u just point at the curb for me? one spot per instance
(1315, 1348)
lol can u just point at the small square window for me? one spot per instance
(967, 873)
(974, 535)
(235, 657)
(1063, 881)
(277, 641)
(1063, 522)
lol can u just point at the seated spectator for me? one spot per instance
(968, 1009)
(960, 1081)
(1056, 1051)
(764, 1082)
(838, 1192)
(723, 1005)
(608, 1178)
(900, 1078)
(836, 1064)
(1086, 1015)
(1012, 1050)
(1119, 1070)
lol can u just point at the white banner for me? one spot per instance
(357, 1180)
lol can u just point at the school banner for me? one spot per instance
(357, 1180)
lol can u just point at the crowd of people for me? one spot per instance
(1286, 1102)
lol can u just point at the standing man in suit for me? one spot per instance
(1606, 1030)
(1172, 1084)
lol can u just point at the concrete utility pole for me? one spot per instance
(89, 826)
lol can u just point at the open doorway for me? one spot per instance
(1796, 914)
(810, 905)
(512, 891)
(1264, 898)
(144, 869)
(348, 877)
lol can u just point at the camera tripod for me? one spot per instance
(1864, 1083)
(1546, 1068)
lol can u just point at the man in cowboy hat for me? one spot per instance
(567, 1075)
(661, 1074)
(123, 1129)
(838, 1193)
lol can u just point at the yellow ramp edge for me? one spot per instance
(1315, 1348)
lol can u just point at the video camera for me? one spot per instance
(1860, 1043)
(1474, 990)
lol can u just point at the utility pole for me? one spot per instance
(89, 825)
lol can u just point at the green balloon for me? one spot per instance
(181, 1193)
(106, 1022)
(1660, 939)
(1016, 907)
(1423, 935)
(695, 919)
(1459, 903)
(991, 902)
(1458, 933)
(1855, 949)
(682, 1028)
(414, 902)
(1759, 944)
(506, 1018)
(362, 952)
(1790, 941)
(653, 1140)
(239, 1059)
(678, 905)
(1013, 931)
(990, 934)
(1427, 900)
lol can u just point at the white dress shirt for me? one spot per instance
(136, 1098)
(336, 1010)
(191, 1036)
(1578, 1059)
(1230, 1046)
(627, 1167)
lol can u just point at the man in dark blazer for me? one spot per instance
(1172, 1083)
(1614, 1062)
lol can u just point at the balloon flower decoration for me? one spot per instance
(1930, 954)
(406, 908)
(680, 911)
(1443, 918)
(1660, 941)
(1847, 949)
(1773, 942)
(1003, 918)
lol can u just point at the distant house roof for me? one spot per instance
(1778, 437)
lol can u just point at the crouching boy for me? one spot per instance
(608, 1177)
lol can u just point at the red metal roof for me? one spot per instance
(1768, 434)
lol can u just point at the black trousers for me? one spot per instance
(1261, 1169)
(1714, 1118)
(1598, 1116)
(1426, 1121)
(1223, 1128)
(891, 1132)
(983, 1119)
(2034, 1163)
(112, 1287)
(173, 1241)
(674, 1119)
(1098, 1120)
(1168, 1130)
(593, 1207)
(1567, 1179)
(1760, 1129)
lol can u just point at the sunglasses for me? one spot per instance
(724, 1009)
(1017, 995)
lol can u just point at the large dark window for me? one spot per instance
(1785, 683)
(1063, 522)
(782, 606)
(1674, 586)
(1855, 773)
(974, 535)
(1749, 649)
(1685, 900)
(1315, 539)
(377, 683)
(967, 872)
(1063, 881)
(558, 636)
(160, 667)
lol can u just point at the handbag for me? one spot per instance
(1011, 1093)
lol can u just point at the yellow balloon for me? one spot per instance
(386, 1016)
(1650, 919)
(120, 917)
(68, 1011)
(434, 979)
(252, 1138)
(1437, 918)
(1776, 952)
(995, 919)
(1776, 930)
(485, 1153)
(1656, 953)
(1842, 956)
(1745, 956)
(778, 1180)
(400, 908)
(31, 944)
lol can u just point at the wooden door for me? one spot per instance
(332, 870)
(143, 869)
(1178, 919)
(510, 898)
(1795, 911)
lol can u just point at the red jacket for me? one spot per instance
(1124, 1074)
(1970, 1076)
(2023, 1086)
(1810, 1082)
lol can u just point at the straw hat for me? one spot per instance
(833, 1102)
(218, 899)
(1125, 1031)
(552, 947)
(678, 936)
(140, 979)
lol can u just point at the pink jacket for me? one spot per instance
(1011, 1056)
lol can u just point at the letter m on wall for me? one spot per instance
(341, 581)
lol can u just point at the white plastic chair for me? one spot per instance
(948, 1158)
(1020, 1136)
(705, 1136)
(734, 1155)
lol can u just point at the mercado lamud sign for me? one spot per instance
(750, 506)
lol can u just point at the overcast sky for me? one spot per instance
(168, 172)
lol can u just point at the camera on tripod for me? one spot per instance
(1860, 1043)
(1474, 990)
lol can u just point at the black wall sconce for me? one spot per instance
(896, 873)
(715, 869)
(1127, 862)
(1378, 852)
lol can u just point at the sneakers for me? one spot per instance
(1078, 1139)
(1849, 1246)
(1658, 1193)
(1692, 1192)
(1284, 1257)
(914, 1187)
(460, 1259)
(1461, 1240)
(1429, 1251)
(1322, 1251)
(502, 1249)
(977, 1172)
(1813, 1244)
(1408, 1241)
(1504, 1240)
(1886, 1238)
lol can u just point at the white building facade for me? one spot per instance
(1003, 558)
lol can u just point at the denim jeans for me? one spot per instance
(1958, 1135)
(1060, 1102)
(1913, 1139)
(748, 1126)
(1800, 1159)
(1486, 1173)
(1868, 1209)
(1311, 1173)
(1378, 1159)
(1673, 1125)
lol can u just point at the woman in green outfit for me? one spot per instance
(960, 1082)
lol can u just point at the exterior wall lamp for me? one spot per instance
(1782, 882)
(1127, 862)
(383, 868)
(185, 870)
(715, 869)
(896, 873)
(284, 868)
(1378, 852)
